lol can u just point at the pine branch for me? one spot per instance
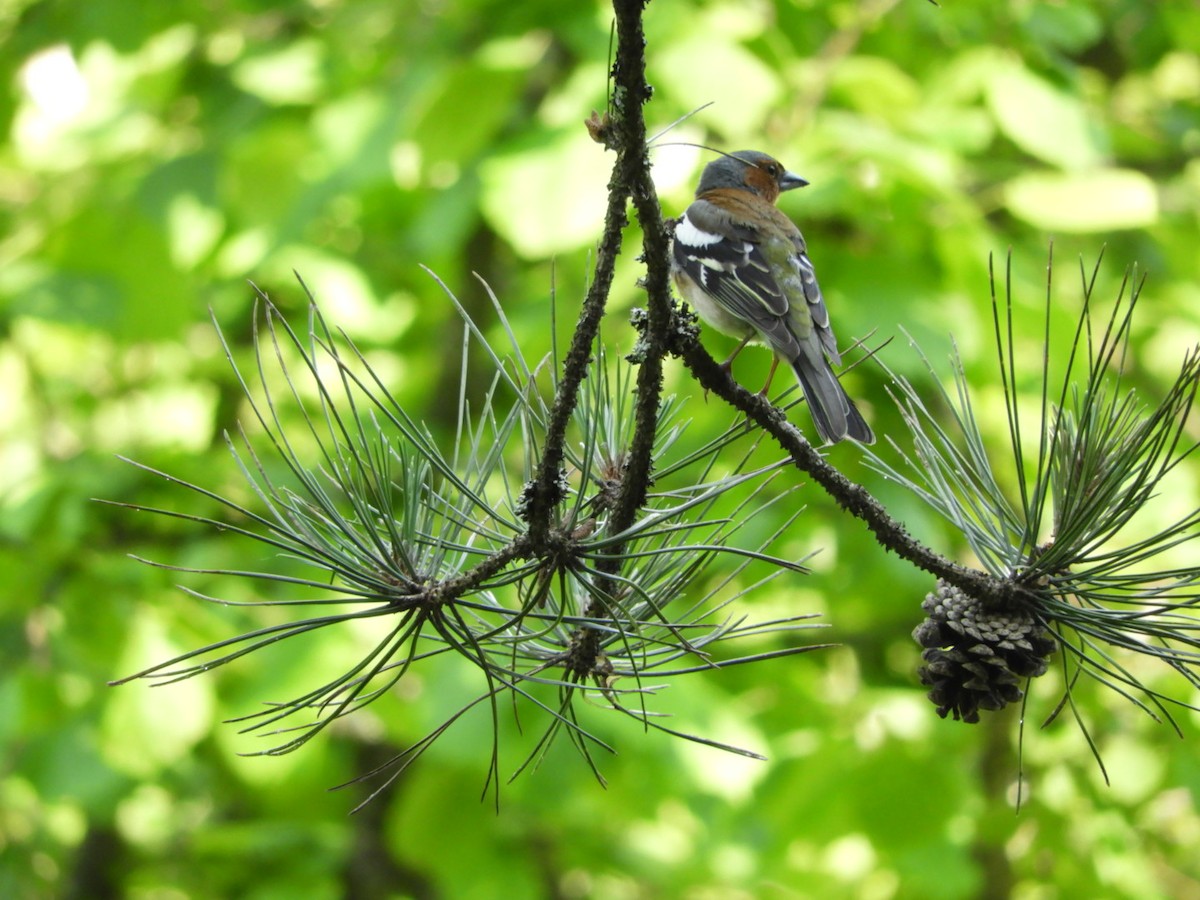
(853, 498)
(570, 586)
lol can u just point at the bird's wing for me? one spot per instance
(807, 311)
(724, 258)
(767, 281)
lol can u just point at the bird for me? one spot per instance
(743, 265)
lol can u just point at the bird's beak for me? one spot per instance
(790, 180)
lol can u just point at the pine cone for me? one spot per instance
(975, 657)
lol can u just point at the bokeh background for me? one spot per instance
(158, 156)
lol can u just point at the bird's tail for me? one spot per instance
(833, 412)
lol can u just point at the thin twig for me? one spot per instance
(853, 498)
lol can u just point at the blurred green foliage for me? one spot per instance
(156, 156)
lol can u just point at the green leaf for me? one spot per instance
(876, 86)
(1073, 27)
(537, 200)
(110, 267)
(470, 107)
(742, 90)
(143, 730)
(288, 75)
(1044, 121)
(1095, 200)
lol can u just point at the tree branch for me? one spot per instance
(630, 94)
(545, 491)
(853, 498)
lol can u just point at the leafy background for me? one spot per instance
(156, 156)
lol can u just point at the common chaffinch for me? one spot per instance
(744, 266)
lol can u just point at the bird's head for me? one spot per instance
(749, 170)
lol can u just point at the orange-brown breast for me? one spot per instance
(746, 208)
